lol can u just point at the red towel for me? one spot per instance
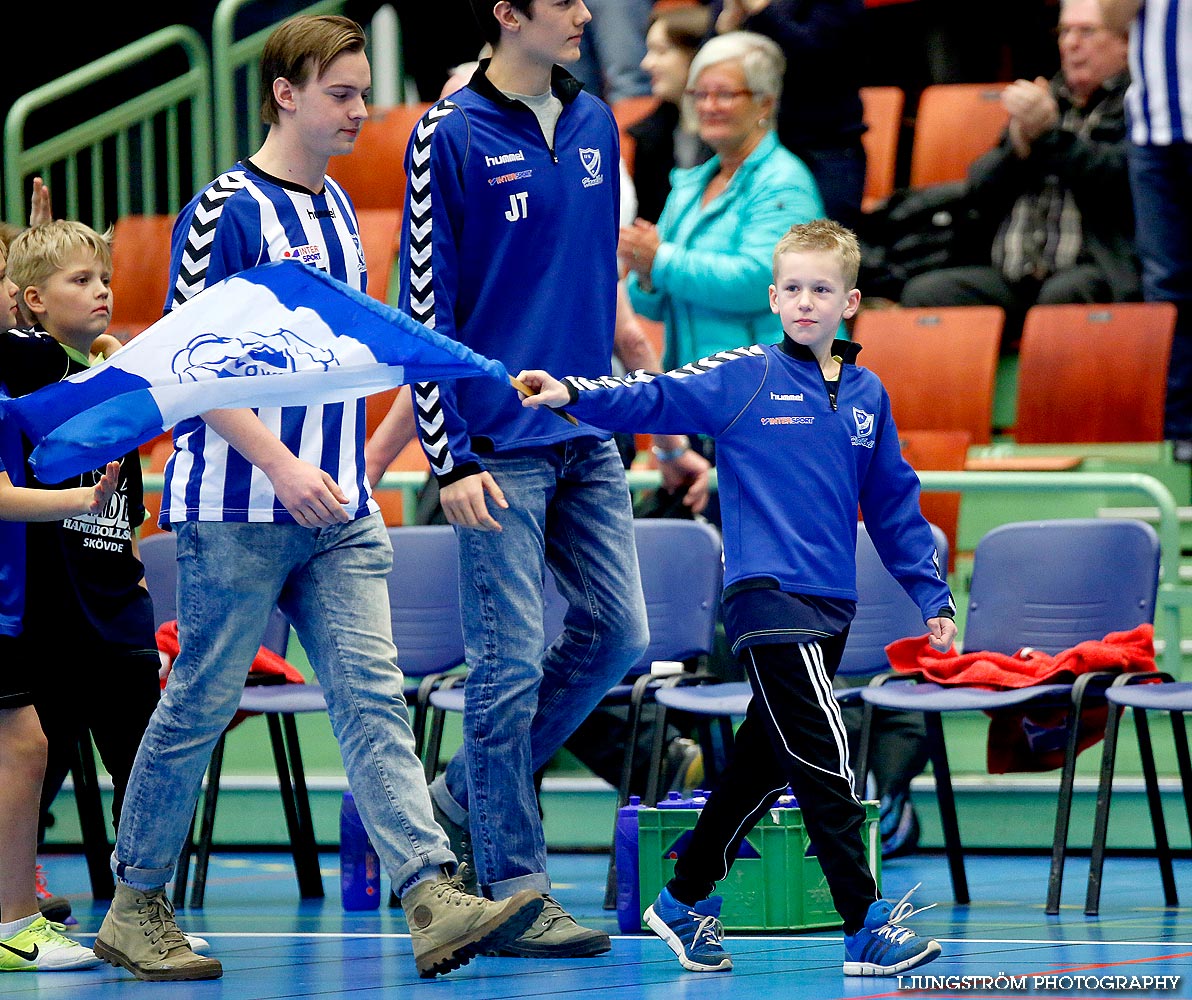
(1029, 739)
(266, 668)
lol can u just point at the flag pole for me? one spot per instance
(525, 390)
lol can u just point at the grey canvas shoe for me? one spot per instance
(449, 927)
(460, 839)
(556, 934)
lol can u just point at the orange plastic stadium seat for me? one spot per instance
(379, 232)
(938, 365)
(374, 172)
(945, 451)
(883, 108)
(1093, 373)
(628, 111)
(955, 123)
(140, 272)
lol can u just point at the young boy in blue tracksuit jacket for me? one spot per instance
(802, 437)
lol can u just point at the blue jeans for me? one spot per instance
(569, 512)
(331, 583)
(1161, 185)
(613, 46)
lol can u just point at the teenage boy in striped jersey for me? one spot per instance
(270, 507)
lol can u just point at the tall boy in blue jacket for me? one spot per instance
(509, 245)
(802, 436)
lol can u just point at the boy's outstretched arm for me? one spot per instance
(548, 390)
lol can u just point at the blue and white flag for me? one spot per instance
(280, 334)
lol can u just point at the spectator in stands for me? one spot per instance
(1159, 113)
(1055, 189)
(662, 140)
(702, 269)
(39, 212)
(915, 43)
(820, 118)
(461, 74)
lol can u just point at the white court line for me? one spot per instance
(742, 939)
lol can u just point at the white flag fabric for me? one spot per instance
(281, 334)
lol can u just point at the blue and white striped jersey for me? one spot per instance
(1159, 101)
(241, 219)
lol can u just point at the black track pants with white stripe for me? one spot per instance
(792, 734)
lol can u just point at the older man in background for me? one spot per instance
(1055, 192)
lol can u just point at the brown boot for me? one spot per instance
(448, 926)
(140, 934)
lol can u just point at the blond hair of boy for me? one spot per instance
(63, 273)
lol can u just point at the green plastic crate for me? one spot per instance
(772, 886)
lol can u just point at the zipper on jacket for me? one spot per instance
(833, 388)
(549, 148)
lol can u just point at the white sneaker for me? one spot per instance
(200, 946)
(41, 948)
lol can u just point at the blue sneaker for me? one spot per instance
(883, 947)
(692, 932)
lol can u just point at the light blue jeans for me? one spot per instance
(612, 49)
(569, 512)
(331, 583)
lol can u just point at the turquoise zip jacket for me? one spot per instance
(711, 273)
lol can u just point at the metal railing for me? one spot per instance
(148, 155)
(125, 160)
(1172, 597)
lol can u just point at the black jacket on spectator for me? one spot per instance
(654, 158)
(1092, 168)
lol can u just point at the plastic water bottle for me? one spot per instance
(625, 837)
(359, 866)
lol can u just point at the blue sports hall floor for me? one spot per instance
(274, 945)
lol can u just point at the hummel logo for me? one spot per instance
(789, 397)
(28, 956)
(496, 161)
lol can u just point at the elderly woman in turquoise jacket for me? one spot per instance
(704, 270)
